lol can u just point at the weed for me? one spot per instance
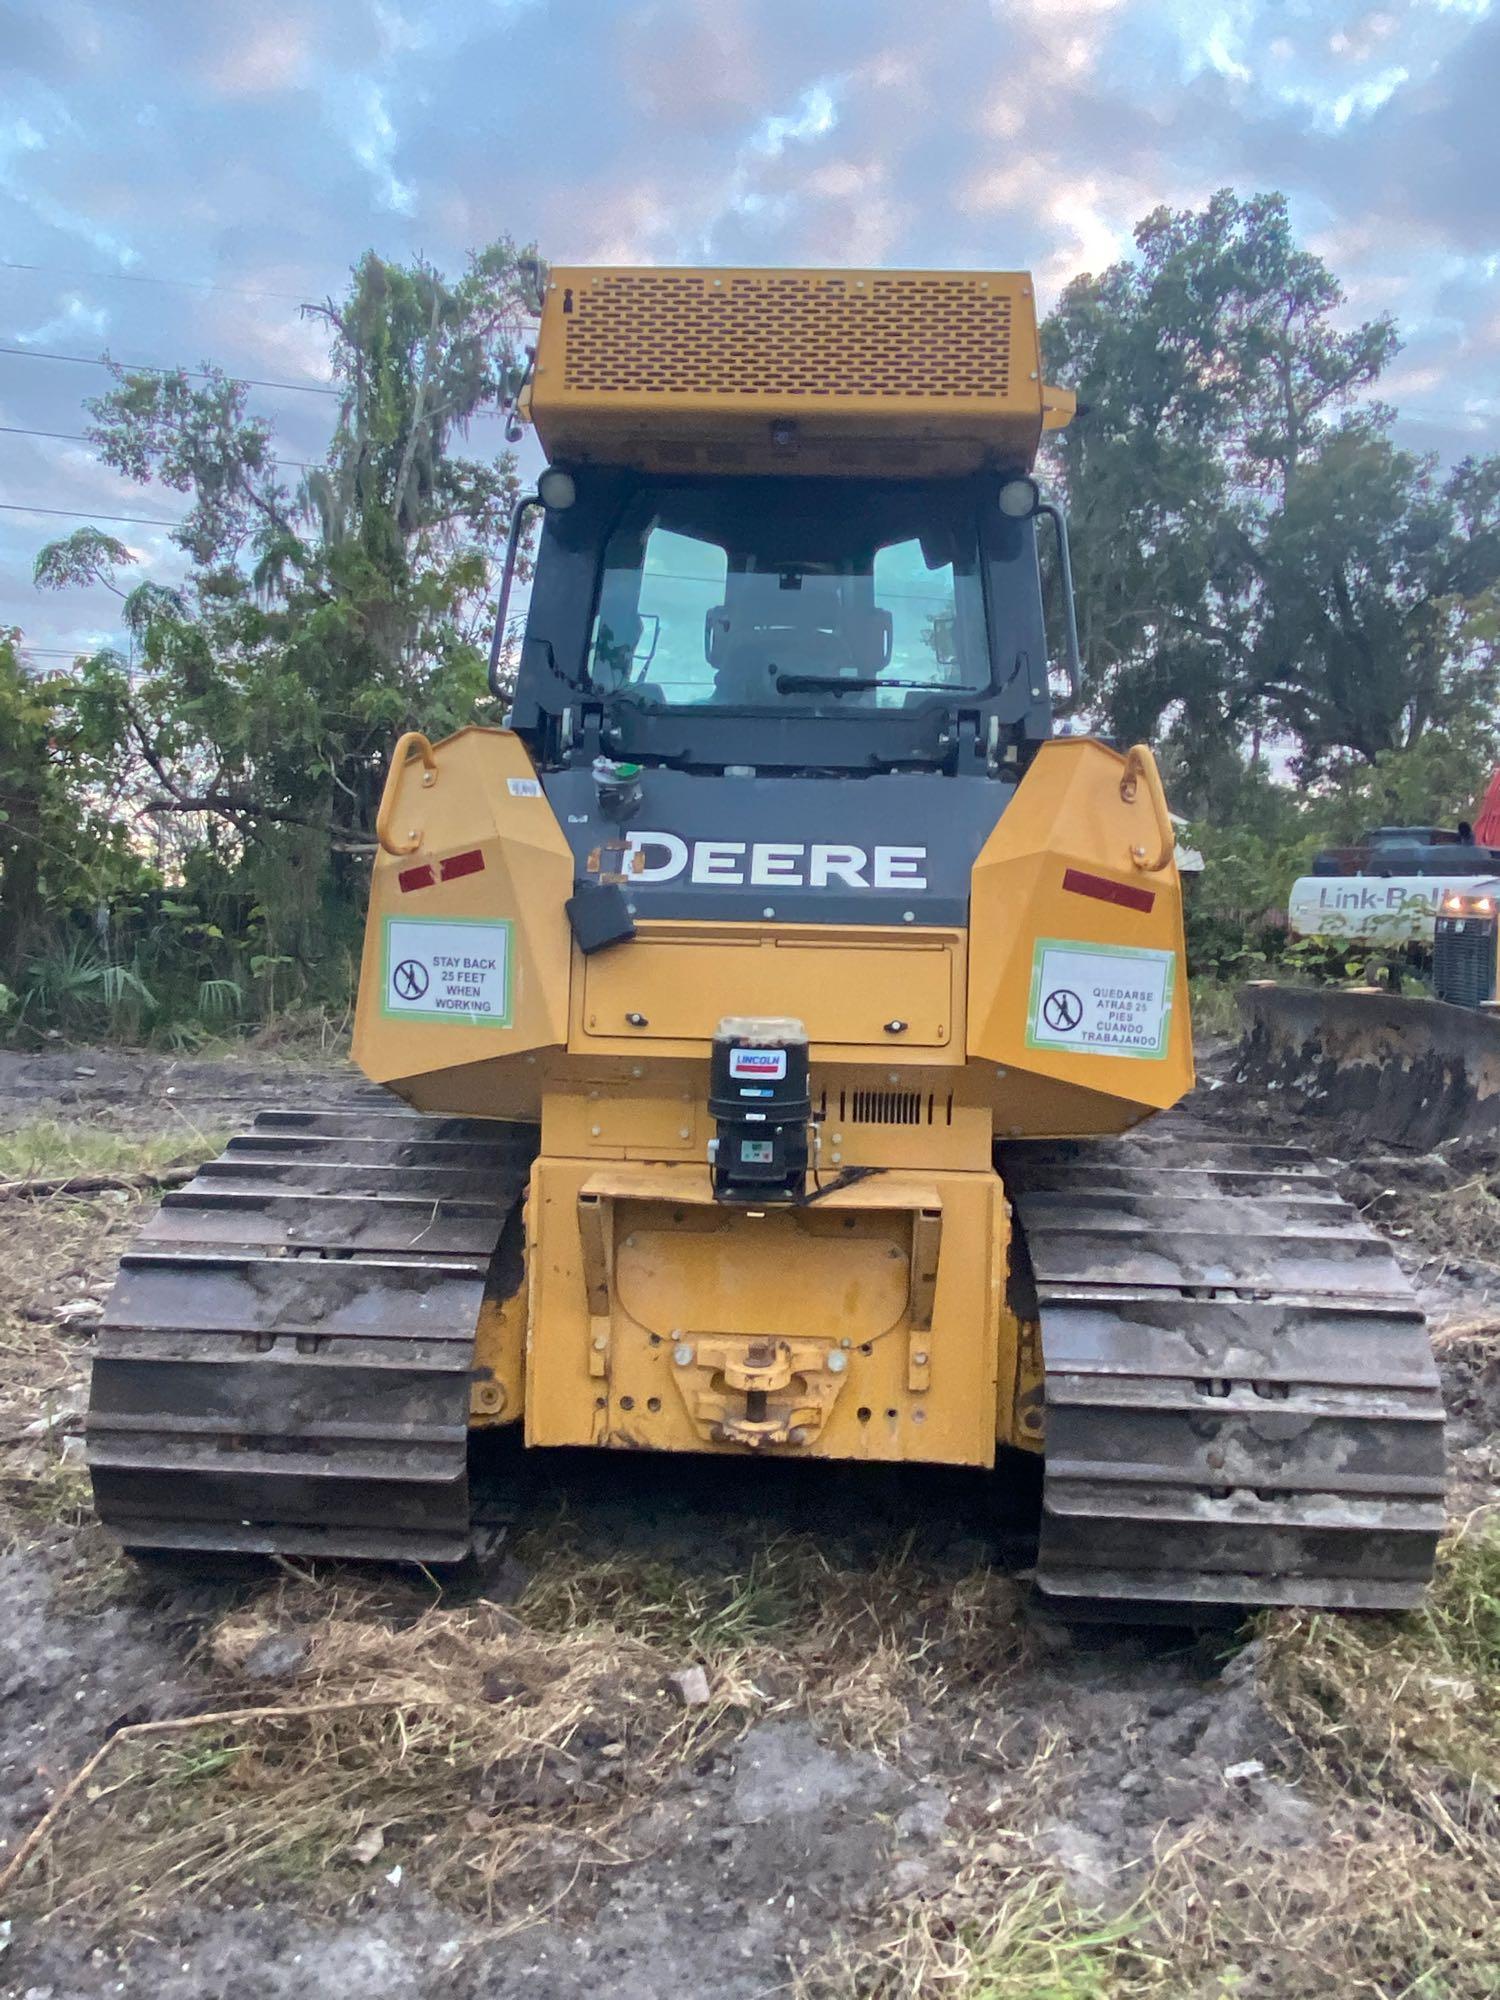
(82, 989)
(1215, 1011)
(46, 1149)
(58, 1495)
(1407, 1710)
(1032, 1943)
(703, 1614)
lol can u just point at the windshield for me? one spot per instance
(767, 593)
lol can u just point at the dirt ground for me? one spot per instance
(904, 1778)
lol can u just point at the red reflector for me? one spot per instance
(1105, 891)
(417, 878)
(471, 863)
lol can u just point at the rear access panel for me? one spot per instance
(877, 991)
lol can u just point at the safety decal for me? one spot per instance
(1101, 999)
(447, 969)
(524, 788)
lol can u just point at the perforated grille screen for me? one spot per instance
(1463, 961)
(774, 335)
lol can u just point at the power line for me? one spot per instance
(77, 437)
(140, 278)
(200, 374)
(88, 514)
(19, 430)
(155, 368)
(189, 284)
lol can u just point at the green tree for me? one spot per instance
(1378, 582)
(62, 847)
(1254, 557)
(318, 619)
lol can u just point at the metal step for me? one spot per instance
(284, 1364)
(1242, 1406)
(1155, 1147)
(1117, 1176)
(1171, 1212)
(209, 1218)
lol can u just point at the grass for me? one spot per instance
(315, 1033)
(509, 1759)
(1393, 1894)
(58, 1495)
(1215, 1011)
(62, 1246)
(1009, 1934)
(488, 1758)
(46, 1148)
(503, 1755)
(1405, 1711)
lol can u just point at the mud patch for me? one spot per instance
(71, 1674)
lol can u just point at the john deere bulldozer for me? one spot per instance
(758, 1019)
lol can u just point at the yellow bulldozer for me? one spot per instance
(767, 1004)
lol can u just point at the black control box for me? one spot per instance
(760, 1100)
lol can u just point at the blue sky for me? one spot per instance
(248, 153)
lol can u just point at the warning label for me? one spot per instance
(1106, 998)
(447, 969)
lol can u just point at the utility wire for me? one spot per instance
(200, 374)
(140, 278)
(155, 368)
(188, 284)
(19, 430)
(88, 514)
(77, 437)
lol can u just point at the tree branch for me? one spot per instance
(237, 807)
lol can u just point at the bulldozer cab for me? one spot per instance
(785, 622)
(847, 643)
(788, 525)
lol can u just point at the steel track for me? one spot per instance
(1242, 1405)
(285, 1362)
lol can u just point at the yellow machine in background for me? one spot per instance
(775, 908)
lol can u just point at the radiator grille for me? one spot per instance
(1463, 961)
(889, 1107)
(886, 1107)
(766, 336)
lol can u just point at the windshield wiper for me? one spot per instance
(809, 683)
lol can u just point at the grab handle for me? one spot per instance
(412, 740)
(1140, 766)
(524, 509)
(1072, 658)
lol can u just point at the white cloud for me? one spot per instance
(274, 55)
(357, 109)
(28, 146)
(75, 321)
(1334, 108)
(815, 115)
